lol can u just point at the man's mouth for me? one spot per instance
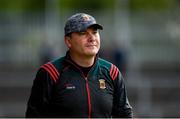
(90, 45)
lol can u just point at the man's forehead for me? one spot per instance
(88, 30)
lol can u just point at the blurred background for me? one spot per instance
(142, 37)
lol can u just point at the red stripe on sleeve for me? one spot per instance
(116, 73)
(54, 68)
(49, 72)
(113, 72)
(53, 72)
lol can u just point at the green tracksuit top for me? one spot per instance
(60, 89)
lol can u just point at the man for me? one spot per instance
(79, 84)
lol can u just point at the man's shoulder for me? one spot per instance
(58, 60)
(53, 68)
(58, 63)
(109, 67)
(104, 63)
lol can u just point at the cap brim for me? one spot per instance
(98, 26)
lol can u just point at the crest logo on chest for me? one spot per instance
(102, 84)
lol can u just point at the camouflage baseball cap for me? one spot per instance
(80, 22)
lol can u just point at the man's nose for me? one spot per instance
(91, 37)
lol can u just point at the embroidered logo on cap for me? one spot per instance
(85, 18)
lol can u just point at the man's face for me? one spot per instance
(85, 43)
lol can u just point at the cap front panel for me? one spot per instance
(78, 22)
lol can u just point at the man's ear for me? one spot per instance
(67, 41)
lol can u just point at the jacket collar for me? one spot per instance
(95, 66)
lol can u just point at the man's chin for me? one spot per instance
(91, 54)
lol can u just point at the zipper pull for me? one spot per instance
(86, 79)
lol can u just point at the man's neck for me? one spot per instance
(83, 61)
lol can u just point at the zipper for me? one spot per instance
(87, 90)
(89, 99)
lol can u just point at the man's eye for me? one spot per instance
(95, 32)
